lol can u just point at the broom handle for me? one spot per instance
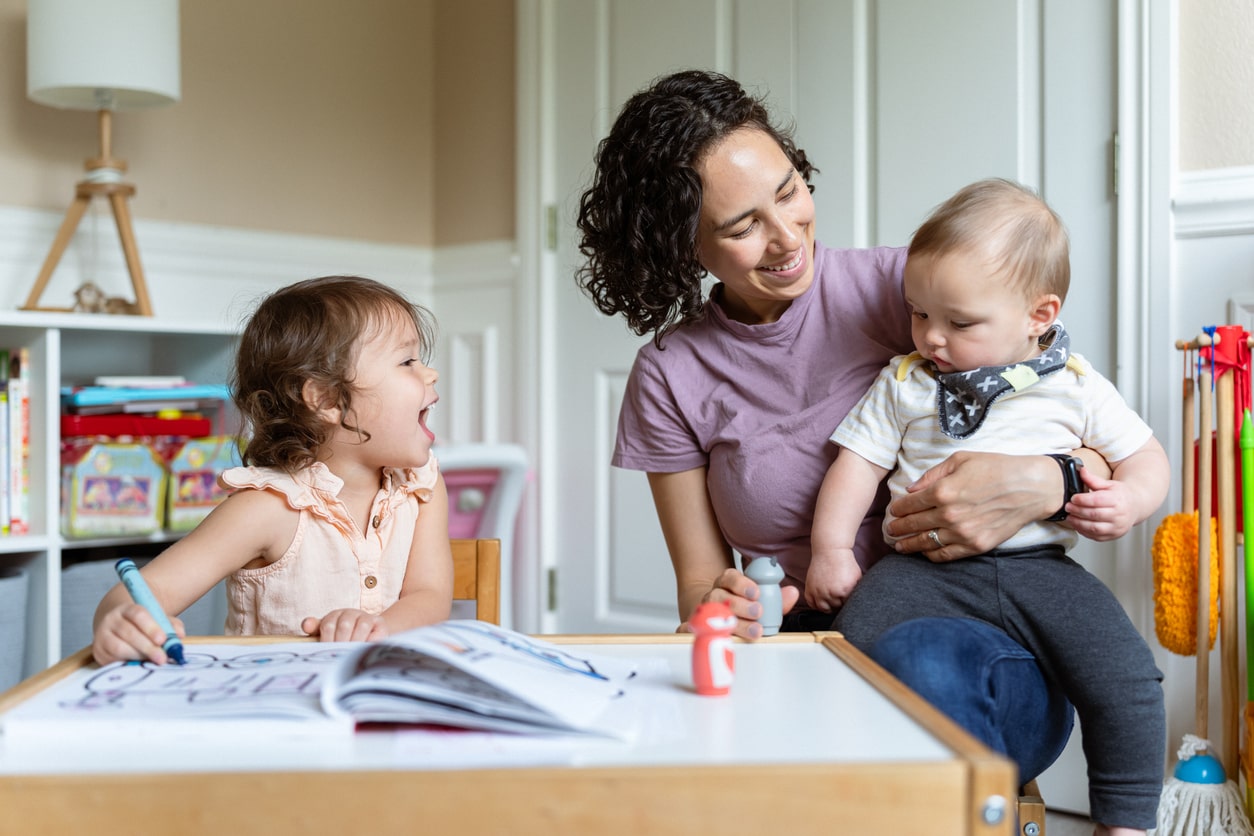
(1189, 502)
(1202, 706)
(1229, 664)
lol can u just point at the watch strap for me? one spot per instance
(1071, 482)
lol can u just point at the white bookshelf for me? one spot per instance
(74, 348)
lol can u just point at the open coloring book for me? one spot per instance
(465, 674)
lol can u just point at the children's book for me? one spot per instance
(464, 674)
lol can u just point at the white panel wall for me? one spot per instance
(1212, 284)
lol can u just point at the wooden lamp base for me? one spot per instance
(106, 184)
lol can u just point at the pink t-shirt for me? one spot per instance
(756, 403)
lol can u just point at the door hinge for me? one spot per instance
(550, 227)
(1114, 164)
(552, 596)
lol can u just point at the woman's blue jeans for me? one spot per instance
(985, 682)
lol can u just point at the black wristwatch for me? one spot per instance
(1071, 482)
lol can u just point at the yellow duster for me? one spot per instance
(1175, 583)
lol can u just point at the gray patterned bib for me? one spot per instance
(963, 398)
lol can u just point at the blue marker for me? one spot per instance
(134, 582)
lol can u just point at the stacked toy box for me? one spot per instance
(136, 454)
(194, 471)
(111, 488)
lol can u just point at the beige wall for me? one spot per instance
(474, 126)
(321, 117)
(1216, 84)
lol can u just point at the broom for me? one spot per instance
(1175, 548)
(1198, 798)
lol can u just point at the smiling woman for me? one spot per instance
(729, 407)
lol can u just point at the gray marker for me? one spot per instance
(767, 573)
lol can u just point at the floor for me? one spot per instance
(1067, 824)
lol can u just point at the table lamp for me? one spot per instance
(101, 55)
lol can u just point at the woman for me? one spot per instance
(729, 407)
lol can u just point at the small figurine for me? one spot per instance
(91, 298)
(713, 662)
(767, 573)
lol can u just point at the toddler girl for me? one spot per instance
(338, 524)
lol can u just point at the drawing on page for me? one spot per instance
(550, 656)
(249, 678)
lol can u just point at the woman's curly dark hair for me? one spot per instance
(309, 332)
(639, 218)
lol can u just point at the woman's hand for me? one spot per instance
(973, 502)
(129, 632)
(346, 625)
(741, 594)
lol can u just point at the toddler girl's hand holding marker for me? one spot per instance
(134, 582)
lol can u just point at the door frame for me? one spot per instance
(1146, 59)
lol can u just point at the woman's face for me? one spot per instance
(756, 233)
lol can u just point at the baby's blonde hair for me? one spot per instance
(1010, 224)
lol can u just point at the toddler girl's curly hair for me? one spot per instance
(309, 332)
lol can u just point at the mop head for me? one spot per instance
(1198, 799)
(1175, 583)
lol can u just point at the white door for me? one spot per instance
(899, 103)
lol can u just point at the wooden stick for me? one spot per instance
(1189, 464)
(1204, 341)
(1226, 440)
(1202, 704)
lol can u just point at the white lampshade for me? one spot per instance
(94, 54)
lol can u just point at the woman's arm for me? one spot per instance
(698, 552)
(974, 501)
(704, 569)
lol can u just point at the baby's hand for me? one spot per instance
(346, 626)
(1104, 512)
(830, 579)
(128, 632)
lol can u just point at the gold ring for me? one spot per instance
(935, 538)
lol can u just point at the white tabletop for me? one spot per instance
(790, 702)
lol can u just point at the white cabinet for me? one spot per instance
(68, 349)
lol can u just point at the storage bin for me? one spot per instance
(14, 591)
(84, 584)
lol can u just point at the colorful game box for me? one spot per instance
(111, 489)
(194, 488)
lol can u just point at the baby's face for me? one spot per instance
(965, 313)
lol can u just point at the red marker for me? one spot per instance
(713, 663)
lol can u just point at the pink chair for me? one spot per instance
(485, 487)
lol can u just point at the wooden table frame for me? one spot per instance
(934, 797)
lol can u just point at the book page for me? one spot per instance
(478, 675)
(467, 674)
(240, 688)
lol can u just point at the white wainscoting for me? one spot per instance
(1212, 284)
(194, 273)
(213, 276)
